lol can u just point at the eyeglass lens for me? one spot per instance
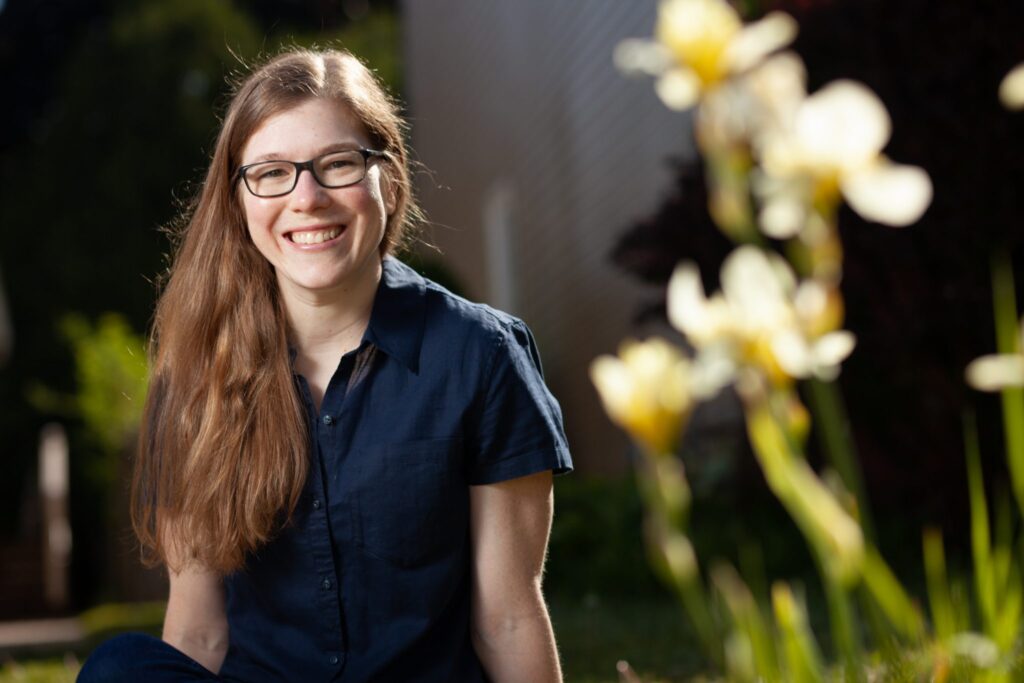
(337, 169)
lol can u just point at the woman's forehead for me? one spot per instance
(304, 131)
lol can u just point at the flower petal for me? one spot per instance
(638, 56)
(1011, 90)
(892, 194)
(688, 308)
(811, 300)
(779, 85)
(614, 385)
(757, 285)
(782, 217)
(678, 88)
(759, 39)
(712, 370)
(842, 126)
(697, 32)
(793, 353)
(996, 372)
(833, 348)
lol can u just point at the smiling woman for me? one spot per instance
(345, 467)
(321, 230)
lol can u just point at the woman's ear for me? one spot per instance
(390, 191)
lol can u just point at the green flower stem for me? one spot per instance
(695, 602)
(728, 178)
(837, 443)
(665, 492)
(818, 516)
(672, 557)
(1007, 341)
(840, 611)
(832, 534)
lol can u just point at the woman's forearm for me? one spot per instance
(518, 648)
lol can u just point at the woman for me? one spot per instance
(346, 468)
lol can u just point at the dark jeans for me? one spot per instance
(137, 657)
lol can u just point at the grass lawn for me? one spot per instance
(651, 634)
(41, 671)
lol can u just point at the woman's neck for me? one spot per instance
(326, 324)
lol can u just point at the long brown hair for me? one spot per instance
(223, 447)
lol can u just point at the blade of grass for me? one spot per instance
(803, 663)
(984, 575)
(748, 620)
(885, 589)
(943, 615)
(1008, 341)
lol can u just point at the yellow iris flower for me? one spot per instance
(649, 390)
(699, 44)
(832, 147)
(762, 317)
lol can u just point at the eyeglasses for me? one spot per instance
(332, 170)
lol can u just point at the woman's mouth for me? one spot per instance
(314, 236)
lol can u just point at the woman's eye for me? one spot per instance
(336, 164)
(267, 174)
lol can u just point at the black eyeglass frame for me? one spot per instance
(301, 166)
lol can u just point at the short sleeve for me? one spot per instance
(519, 427)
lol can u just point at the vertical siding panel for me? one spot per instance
(525, 94)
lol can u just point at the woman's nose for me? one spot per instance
(308, 193)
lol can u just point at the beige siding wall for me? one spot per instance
(540, 154)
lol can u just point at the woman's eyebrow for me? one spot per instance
(346, 146)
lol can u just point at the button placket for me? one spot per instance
(318, 536)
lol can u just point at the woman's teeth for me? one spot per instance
(311, 237)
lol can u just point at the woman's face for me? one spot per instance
(318, 240)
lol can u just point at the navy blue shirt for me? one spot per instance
(370, 581)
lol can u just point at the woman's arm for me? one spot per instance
(196, 622)
(509, 526)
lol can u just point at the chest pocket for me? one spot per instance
(411, 502)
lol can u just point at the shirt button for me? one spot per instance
(326, 585)
(334, 659)
(328, 420)
(316, 503)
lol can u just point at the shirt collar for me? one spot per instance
(399, 313)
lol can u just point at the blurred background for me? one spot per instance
(556, 189)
